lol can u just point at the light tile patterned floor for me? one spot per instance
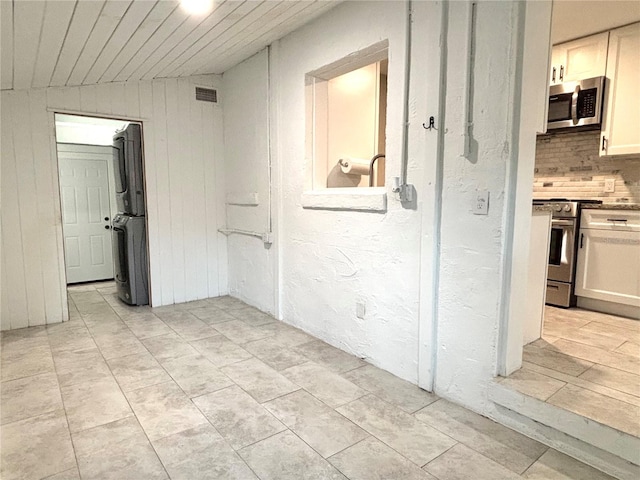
(214, 389)
(588, 363)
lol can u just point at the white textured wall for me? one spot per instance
(252, 266)
(329, 260)
(185, 192)
(472, 261)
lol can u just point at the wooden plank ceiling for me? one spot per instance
(82, 42)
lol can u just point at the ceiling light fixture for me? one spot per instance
(197, 7)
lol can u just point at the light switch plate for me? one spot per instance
(609, 185)
(481, 203)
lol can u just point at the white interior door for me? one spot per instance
(86, 216)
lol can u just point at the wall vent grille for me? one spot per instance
(207, 95)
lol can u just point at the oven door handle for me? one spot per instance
(562, 223)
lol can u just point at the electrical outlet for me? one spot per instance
(610, 185)
(360, 309)
(481, 203)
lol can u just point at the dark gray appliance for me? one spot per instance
(127, 159)
(565, 223)
(130, 259)
(576, 104)
(129, 225)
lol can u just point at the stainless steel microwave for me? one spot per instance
(576, 104)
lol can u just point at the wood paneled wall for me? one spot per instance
(184, 181)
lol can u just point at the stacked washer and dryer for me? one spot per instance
(129, 225)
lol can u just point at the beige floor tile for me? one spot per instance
(164, 409)
(373, 460)
(196, 375)
(601, 408)
(324, 384)
(188, 326)
(547, 357)
(80, 366)
(94, 403)
(238, 417)
(71, 340)
(613, 378)
(286, 335)
(501, 444)
(36, 447)
(71, 474)
(212, 315)
(274, 354)
(554, 465)
(201, 453)
(25, 359)
(226, 303)
(285, 457)
(597, 355)
(118, 451)
(252, 316)
(240, 333)
(85, 296)
(401, 431)
(532, 383)
(168, 346)
(137, 371)
(114, 345)
(148, 327)
(614, 321)
(582, 335)
(629, 348)
(220, 350)
(462, 463)
(581, 382)
(259, 380)
(102, 324)
(20, 338)
(390, 388)
(28, 397)
(616, 330)
(329, 357)
(321, 427)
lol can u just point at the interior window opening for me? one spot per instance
(346, 112)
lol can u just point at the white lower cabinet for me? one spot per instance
(608, 265)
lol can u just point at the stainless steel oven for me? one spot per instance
(561, 261)
(562, 250)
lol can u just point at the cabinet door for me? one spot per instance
(585, 57)
(620, 131)
(558, 55)
(608, 266)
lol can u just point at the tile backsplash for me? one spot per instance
(568, 166)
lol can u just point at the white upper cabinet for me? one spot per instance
(621, 118)
(579, 59)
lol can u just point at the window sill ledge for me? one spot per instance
(372, 199)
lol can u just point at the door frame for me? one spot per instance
(530, 95)
(52, 121)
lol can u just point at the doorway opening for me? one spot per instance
(101, 181)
